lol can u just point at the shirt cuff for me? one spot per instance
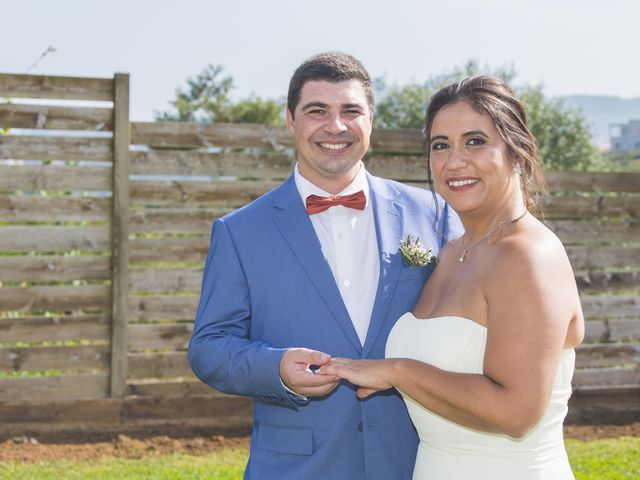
(297, 398)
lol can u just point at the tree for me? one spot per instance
(207, 99)
(562, 133)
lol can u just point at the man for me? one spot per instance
(309, 271)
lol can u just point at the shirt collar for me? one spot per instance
(306, 188)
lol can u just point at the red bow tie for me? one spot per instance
(316, 204)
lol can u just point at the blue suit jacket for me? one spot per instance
(267, 287)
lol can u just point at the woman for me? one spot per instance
(485, 360)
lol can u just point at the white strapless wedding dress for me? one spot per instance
(450, 451)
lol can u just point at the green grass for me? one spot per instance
(222, 465)
(611, 459)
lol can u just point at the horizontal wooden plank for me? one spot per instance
(204, 404)
(157, 336)
(56, 328)
(592, 206)
(76, 358)
(50, 412)
(153, 250)
(596, 331)
(158, 365)
(31, 147)
(55, 87)
(63, 387)
(612, 330)
(155, 308)
(194, 193)
(174, 220)
(199, 135)
(55, 298)
(169, 388)
(585, 231)
(56, 178)
(626, 329)
(208, 414)
(54, 238)
(29, 208)
(603, 256)
(615, 306)
(593, 181)
(607, 355)
(604, 405)
(185, 279)
(55, 118)
(245, 164)
(598, 377)
(52, 268)
(398, 140)
(609, 280)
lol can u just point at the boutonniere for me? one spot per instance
(414, 253)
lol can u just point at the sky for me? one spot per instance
(568, 46)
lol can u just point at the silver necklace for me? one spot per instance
(465, 250)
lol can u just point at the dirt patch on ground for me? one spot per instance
(30, 449)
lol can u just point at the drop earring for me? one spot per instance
(517, 169)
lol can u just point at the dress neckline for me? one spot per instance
(440, 317)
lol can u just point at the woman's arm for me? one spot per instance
(531, 298)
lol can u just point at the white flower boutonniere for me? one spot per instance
(414, 253)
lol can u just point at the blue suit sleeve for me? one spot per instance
(221, 353)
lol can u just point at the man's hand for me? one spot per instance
(295, 373)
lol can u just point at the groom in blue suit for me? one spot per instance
(311, 271)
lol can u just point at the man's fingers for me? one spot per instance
(306, 356)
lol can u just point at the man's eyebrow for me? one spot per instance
(352, 105)
(306, 106)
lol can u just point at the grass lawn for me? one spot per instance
(611, 459)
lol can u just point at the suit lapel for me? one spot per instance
(293, 222)
(388, 217)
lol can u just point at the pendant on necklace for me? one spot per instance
(461, 259)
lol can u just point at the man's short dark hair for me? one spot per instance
(331, 67)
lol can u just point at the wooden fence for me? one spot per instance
(104, 227)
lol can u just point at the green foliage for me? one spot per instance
(562, 133)
(207, 99)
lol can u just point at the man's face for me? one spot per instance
(331, 130)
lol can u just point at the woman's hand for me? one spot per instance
(371, 375)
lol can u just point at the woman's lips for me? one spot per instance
(461, 183)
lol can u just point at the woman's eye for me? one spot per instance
(476, 141)
(438, 146)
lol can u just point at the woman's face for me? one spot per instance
(470, 163)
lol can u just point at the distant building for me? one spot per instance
(625, 137)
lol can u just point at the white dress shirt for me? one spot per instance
(349, 243)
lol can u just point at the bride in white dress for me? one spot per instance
(485, 360)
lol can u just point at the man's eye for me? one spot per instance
(316, 111)
(352, 112)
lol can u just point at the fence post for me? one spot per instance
(120, 236)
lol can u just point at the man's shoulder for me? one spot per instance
(256, 210)
(404, 192)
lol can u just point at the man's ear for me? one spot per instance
(289, 117)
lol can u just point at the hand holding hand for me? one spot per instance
(295, 373)
(371, 375)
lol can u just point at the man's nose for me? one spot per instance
(335, 124)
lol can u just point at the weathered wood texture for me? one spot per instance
(100, 265)
(56, 118)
